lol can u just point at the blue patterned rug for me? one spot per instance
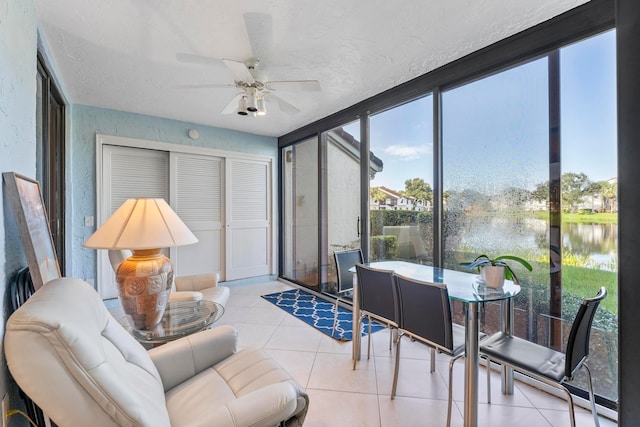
(319, 313)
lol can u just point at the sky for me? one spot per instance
(495, 130)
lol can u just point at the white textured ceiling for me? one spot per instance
(121, 54)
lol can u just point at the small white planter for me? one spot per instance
(492, 275)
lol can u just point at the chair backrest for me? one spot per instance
(578, 342)
(424, 311)
(344, 261)
(78, 364)
(376, 292)
(116, 256)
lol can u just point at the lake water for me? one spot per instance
(595, 245)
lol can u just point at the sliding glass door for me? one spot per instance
(342, 182)
(589, 204)
(401, 185)
(299, 169)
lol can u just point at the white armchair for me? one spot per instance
(69, 355)
(190, 287)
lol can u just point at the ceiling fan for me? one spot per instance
(255, 89)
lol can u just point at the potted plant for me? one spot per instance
(494, 270)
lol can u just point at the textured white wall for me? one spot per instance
(18, 41)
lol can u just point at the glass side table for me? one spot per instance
(180, 318)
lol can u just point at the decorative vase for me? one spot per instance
(144, 284)
(493, 275)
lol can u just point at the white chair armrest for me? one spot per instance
(179, 360)
(185, 296)
(196, 282)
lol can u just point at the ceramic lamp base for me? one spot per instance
(144, 284)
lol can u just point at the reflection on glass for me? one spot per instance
(495, 155)
(300, 200)
(401, 192)
(343, 195)
(495, 152)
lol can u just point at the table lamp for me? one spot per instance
(144, 226)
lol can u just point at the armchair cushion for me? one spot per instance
(81, 367)
(78, 364)
(179, 360)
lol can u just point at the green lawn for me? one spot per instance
(585, 282)
(583, 218)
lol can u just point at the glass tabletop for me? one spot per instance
(465, 287)
(181, 318)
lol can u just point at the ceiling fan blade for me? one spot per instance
(205, 86)
(197, 59)
(260, 31)
(232, 106)
(285, 106)
(294, 85)
(240, 71)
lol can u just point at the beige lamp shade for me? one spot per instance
(144, 279)
(142, 224)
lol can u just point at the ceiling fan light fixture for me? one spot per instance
(242, 106)
(262, 108)
(252, 103)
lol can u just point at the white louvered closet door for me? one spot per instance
(248, 208)
(128, 173)
(197, 196)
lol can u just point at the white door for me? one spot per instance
(225, 201)
(127, 173)
(248, 218)
(197, 196)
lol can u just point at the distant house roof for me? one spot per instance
(394, 194)
(352, 145)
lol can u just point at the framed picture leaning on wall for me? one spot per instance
(33, 225)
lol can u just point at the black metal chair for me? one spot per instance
(20, 290)
(425, 316)
(544, 364)
(376, 296)
(344, 261)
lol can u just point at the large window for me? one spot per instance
(342, 183)
(300, 199)
(495, 138)
(520, 161)
(401, 185)
(589, 206)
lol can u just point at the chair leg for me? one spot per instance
(488, 381)
(572, 414)
(592, 398)
(390, 335)
(433, 361)
(355, 358)
(335, 317)
(453, 360)
(369, 337)
(397, 368)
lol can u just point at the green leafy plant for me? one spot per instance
(484, 260)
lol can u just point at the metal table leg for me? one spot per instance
(471, 366)
(355, 328)
(506, 315)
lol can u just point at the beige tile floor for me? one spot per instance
(340, 396)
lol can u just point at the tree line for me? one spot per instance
(575, 189)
